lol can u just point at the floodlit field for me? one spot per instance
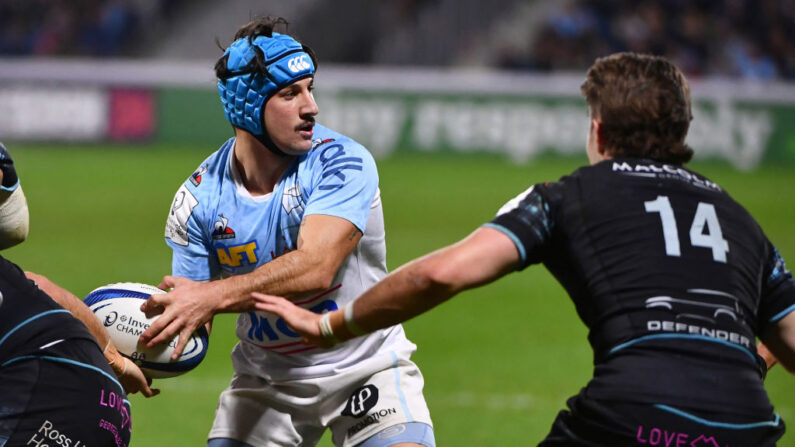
(499, 362)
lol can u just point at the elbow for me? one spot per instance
(13, 237)
(326, 281)
(14, 219)
(321, 280)
(428, 277)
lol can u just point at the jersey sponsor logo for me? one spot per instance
(109, 426)
(291, 200)
(663, 171)
(196, 177)
(693, 316)
(663, 437)
(261, 328)
(694, 329)
(359, 406)
(181, 210)
(116, 402)
(237, 255)
(48, 435)
(221, 229)
(361, 401)
(335, 162)
(298, 63)
(373, 418)
(710, 306)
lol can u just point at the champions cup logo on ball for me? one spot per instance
(118, 307)
(110, 319)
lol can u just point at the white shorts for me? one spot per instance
(356, 404)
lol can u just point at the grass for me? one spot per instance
(499, 362)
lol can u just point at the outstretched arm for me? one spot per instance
(484, 256)
(780, 341)
(767, 356)
(323, 244)
(130, 376)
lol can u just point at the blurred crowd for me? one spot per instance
(75, 27)
(736, 38)
(732, 38)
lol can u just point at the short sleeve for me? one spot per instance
(778, 292)
(527, 221)
(190, 254)
(344, 183)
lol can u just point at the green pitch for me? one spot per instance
(499, 362)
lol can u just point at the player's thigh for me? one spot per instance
(255, 412)
(388, 403)
(57, 401)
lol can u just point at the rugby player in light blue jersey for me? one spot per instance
(292, 208)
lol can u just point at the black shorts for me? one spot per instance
(592, 423)
(64, 396)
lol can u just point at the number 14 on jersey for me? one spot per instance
(705, 217)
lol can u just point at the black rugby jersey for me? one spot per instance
(673, 278)
(29, 318)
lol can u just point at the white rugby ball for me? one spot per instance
(118, 307)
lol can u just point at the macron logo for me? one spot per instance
(298, 63)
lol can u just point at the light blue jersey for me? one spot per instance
(216, 228)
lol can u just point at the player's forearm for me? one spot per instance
(781, 342)
(406, 293)
(767, 356)
(80, 311)
(293, 275)
(426, 282)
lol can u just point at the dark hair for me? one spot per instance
(643, 105)
(263, 26)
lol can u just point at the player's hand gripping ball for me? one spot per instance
(118, 307)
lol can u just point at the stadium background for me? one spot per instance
(107, 106)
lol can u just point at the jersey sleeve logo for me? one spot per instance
(292, 201)
(335, 162)
(196, 177)
(181, 210)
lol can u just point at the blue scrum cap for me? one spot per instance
(245, 92)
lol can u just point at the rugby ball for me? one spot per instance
(118, 307)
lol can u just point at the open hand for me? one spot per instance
(187, 306)
(300, 320)
(134, 380)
